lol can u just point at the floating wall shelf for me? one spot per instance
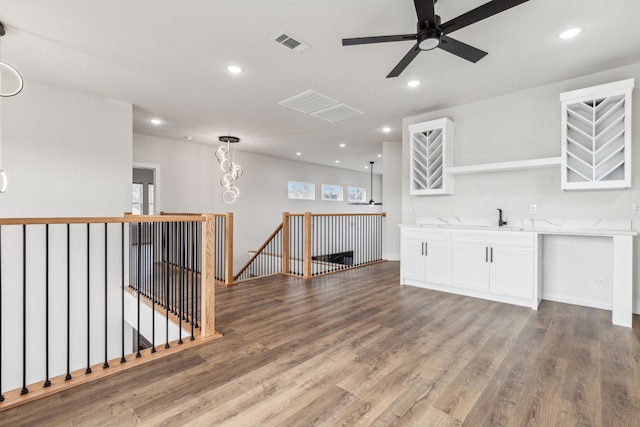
(505, 166)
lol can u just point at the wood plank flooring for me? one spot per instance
(356, 348)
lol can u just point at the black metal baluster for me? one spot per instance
(180, 236)
(153, 289)
(105, 365)
(198, 264)
(25, 390)
(193, 276)
(88, 370)
(122, 358)
(47, 381)
(1, 395)
(174, 262)
(139, 273)
(167, 229)
(68, 376)
(187, 243)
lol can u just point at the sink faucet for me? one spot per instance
(500, 221)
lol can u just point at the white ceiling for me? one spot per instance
(168, 58)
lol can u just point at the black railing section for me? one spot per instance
(83, 292)
(308, 245)
(265, 261)
(165, 272)
(345, 241)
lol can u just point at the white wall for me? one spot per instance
(392, 190)
(66, 153)
(190, 183)
(521, 126)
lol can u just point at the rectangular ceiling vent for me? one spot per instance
(308, 102)
(291, 42)
(337, 113)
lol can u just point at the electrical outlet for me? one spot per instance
(635, 208)
(533, 209)
(433, 210)
(598, 281)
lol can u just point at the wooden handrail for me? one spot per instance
(257, 253)
(384, 214)
(101, 220)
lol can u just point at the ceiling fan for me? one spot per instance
(370, 202)
(431, 33)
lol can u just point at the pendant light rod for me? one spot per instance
(371, 202)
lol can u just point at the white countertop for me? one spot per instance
(540, 226)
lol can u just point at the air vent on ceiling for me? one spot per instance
(308, 102)
(291, 42)
(337, 113)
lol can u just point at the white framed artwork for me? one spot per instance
(332, 192)
(301, 190)
(356, 195)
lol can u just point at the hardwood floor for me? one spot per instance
(355, 348)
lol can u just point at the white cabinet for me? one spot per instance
(431, 154)
(426, 256)
(499, 263)
(596, 137)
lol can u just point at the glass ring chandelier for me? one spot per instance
(11, 84)
(232, 171)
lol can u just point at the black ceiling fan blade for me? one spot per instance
(404, 62)
(462, 50)
(424, 10)
(378, 39)
(478, 14)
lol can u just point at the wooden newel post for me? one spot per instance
(228, 250)
(208, 277)
(286, 251)
(307, 245)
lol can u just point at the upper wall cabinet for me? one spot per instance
(431, 154)
(596, 137)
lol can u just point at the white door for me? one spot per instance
(412, 259)
(438, 255)
(470, 266)
(512, 271)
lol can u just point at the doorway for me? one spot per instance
(144, 190)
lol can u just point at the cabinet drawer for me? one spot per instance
(499, 238)
(432, 234)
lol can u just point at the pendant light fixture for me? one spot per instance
(11, 81)
(11, 84)
(232, 171)
(370, 202)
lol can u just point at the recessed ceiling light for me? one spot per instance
(379, 155)
(413, 83)
(337, 161)
(234, 69)
(570, 33)
(298, 154)
(187, 138)
(155, 122)
(343, 145)
(366, 167)
(386, 129)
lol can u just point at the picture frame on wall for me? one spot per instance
(332, 192)
(298, 190)
(356, 195)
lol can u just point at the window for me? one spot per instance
(136, 198)
(151, 199)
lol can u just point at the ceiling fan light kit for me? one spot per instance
(431, 33)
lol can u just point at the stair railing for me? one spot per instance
(80, 291)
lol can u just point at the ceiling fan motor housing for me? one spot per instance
(429, 34)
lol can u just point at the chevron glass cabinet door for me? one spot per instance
(431, 150)
(596, 137)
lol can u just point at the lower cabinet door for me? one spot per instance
(512, 271)
(438, 257)
(470, 266)
(412, 259)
